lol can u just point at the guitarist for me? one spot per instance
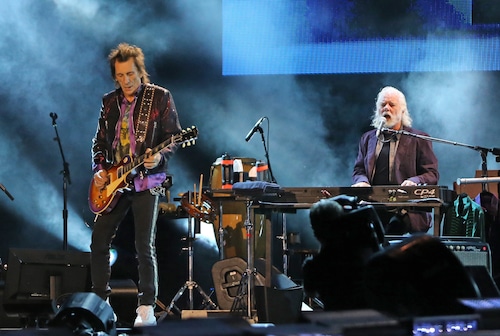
(134, 118)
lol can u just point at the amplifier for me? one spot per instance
(471, 252)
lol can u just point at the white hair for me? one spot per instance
(377, 119)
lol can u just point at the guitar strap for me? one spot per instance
(143, 119)
(142, 126)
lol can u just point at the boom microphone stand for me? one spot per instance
(266, 153)
(66, 181)
(259, 129)
(482, 150)
(6, 192)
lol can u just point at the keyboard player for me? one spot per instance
(392, 158)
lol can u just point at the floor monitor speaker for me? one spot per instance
(85, 313)
(227, 275)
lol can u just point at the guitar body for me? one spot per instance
(103, 200)
(99, 203)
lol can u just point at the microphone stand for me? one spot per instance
(66, 181)
(9, 195)
(273, 180)
(483, 151)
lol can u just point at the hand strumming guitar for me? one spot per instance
(100, 178)
(150, 162)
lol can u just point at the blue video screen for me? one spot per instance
(262, 37)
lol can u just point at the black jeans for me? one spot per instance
(145, 212)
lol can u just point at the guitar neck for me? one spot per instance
(182, 138)
(140, 159)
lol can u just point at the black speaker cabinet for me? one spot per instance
(5, 320)
(471, 252)
(37, 278)
(279, 305)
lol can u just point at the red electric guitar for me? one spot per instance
(103, 200)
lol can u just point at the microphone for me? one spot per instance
(54, 117)
(381, 126)
(254, 129)
(495, 151)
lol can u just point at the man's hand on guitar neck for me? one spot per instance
(151, 161)
(101, 178)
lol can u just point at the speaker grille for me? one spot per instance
(471, 252)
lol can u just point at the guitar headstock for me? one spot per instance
(189, 136)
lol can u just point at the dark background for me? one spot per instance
(53, 60)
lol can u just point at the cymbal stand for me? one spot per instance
(247, 282)
(190, 284)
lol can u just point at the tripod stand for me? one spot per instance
(190, 284)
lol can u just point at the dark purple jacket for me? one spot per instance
(415, 159)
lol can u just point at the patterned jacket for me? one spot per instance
(163, 122)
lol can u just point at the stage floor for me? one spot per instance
(310, 323)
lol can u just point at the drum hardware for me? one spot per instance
(199, 208)
(202, 210)
(166, 208)
(247, 283)
(227, 171)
